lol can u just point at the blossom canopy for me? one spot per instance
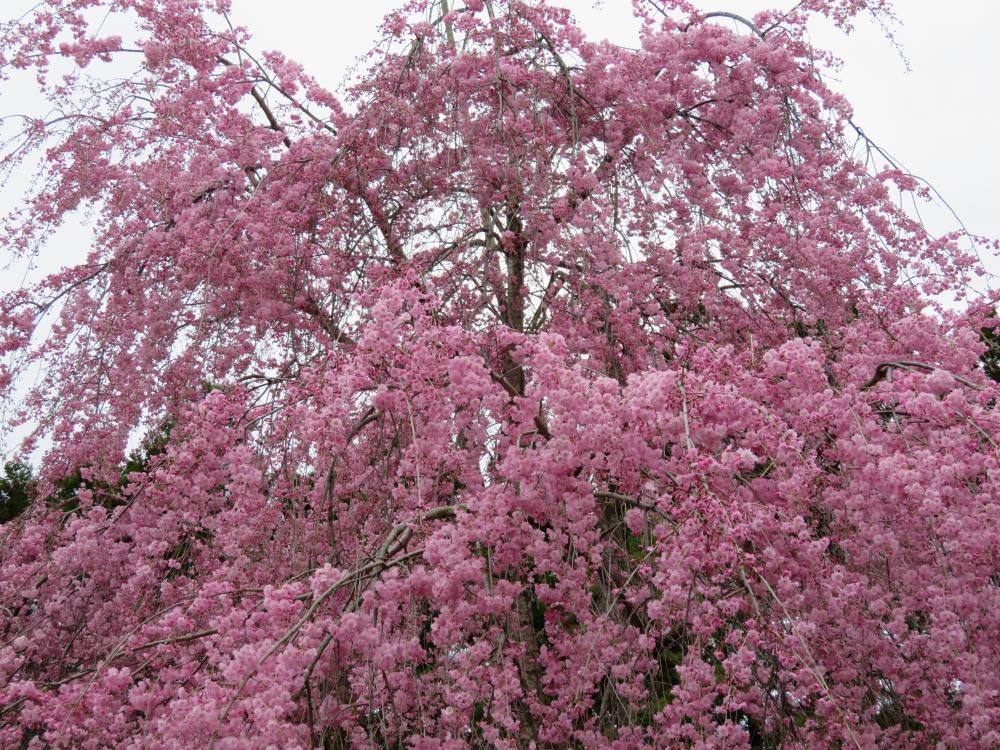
(532, 392)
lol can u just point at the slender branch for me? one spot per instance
(449, 30)
(883, 370)
(631, 501)
(385, 228)
(731, 16)
(334, 331)
(277, 87)
(684, 411)
(177, 639)
(395, 541)
(540, 425)
(271, 119)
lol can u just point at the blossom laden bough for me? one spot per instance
(534, 392)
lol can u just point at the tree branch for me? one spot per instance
(883, 370)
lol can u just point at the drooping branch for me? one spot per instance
(385, 556)
(883, 370)
(733, 17)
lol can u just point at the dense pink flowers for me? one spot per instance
(538, 393)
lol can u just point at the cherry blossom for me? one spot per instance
(531, 392)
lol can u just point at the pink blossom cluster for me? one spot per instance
(536, 392)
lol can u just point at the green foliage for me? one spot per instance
(66, 495)
(990, 359)
(17, 489)
(154, 445)
(111, 495)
